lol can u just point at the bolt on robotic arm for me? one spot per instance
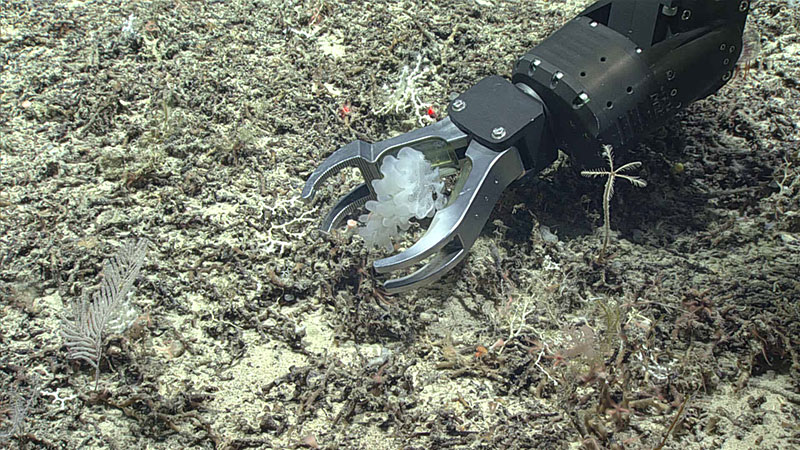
(618, 70)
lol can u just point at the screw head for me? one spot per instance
(499, 133)
(459, 105)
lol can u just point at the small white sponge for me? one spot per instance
(410, 187)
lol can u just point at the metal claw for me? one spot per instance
(456, 227)
(484, 176)
(438, 142)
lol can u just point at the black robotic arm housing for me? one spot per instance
(622, 67)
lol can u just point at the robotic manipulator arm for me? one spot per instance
(616, 71)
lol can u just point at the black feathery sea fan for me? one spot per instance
(85, 332)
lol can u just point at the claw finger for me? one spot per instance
(436, 141)
(437, 267)
(355, 154)
(346, 205)
(462, 221)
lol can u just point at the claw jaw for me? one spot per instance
(436, 141)
(485, 175)
(456, 227)
(357, 154)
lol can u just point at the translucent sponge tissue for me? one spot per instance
(410, 187)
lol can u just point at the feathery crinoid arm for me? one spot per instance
(85, 330)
